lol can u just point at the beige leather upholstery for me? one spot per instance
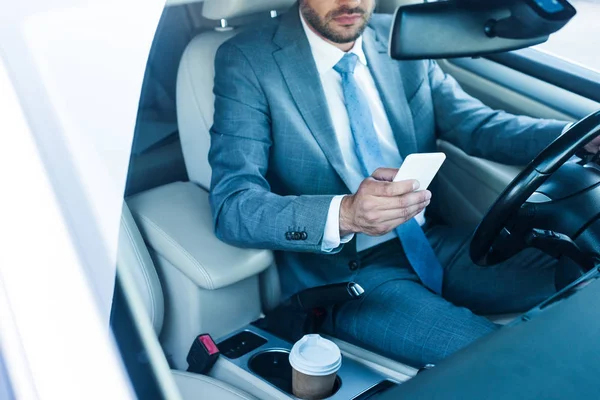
(386, 366)
(195, 99)
(194, 386)
(220, 9)
(134, 264)
(134, 256)
(210, 287)
(195, 102)
(177, 223)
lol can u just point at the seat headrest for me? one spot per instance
(225, 9)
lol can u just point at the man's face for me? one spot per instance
(340, 21)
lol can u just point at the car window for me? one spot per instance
(156, 157)
(579, 40)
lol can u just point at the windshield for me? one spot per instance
(579, 40)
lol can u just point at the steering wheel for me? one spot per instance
(500, 235)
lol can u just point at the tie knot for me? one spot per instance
(346, 64)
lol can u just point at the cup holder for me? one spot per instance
(274, 367)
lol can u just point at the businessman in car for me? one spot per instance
(312, 120)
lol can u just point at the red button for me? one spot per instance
(209, 345)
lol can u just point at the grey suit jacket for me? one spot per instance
(275, 160)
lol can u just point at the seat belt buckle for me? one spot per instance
(202, 355)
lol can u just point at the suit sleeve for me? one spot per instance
(483, 132)
(245, 211)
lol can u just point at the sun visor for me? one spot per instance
(470, 28)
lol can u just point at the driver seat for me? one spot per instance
(195, 101)
(209, 286)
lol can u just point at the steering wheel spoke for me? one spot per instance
(493, 242)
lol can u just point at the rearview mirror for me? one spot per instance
(471, 28)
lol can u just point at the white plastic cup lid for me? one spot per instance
(315, 356)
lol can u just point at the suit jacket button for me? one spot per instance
(353, 265)
(304, 236)
(288, 235)
(297, 236)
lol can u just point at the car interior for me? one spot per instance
(179, 280)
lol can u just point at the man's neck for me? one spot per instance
(345, 47)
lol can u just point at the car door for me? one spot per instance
(70, 79)
(557, 80)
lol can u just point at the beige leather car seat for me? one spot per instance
(210, 287)
(134, 257)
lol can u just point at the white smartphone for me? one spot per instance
(420, 166)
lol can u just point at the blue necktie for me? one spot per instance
(415, 244)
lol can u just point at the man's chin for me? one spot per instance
(345, 39)
(345, 35)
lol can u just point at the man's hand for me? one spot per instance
(380, 205)
(593, 146)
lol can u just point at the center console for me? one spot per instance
(204, 296)
(265, 356)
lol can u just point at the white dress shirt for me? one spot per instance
(326, 57)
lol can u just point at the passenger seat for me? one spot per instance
(134, 258)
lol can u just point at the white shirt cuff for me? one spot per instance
(331, 237)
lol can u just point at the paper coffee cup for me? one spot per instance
(315, 362)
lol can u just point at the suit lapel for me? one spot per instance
(388, 79)
(299, 70)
